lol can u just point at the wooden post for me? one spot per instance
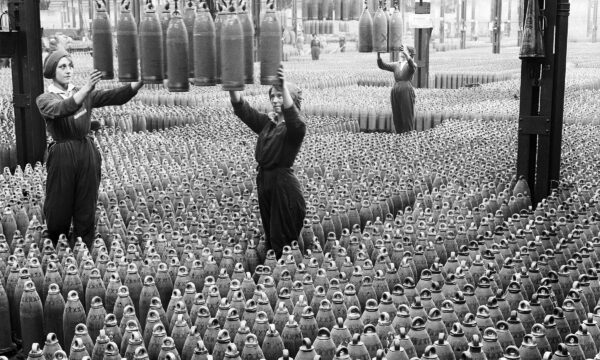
(541, 105)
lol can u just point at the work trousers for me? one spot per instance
(282, 207)
(72, 185)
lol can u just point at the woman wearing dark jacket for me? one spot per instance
(74, 162)
(403, 94)
(280, 136)
(315, 47)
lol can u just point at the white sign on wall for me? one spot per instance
(420, 21)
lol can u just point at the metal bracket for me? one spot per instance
(21, 100)
(534, 125)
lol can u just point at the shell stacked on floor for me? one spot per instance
(416, 253)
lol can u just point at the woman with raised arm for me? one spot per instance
(402, 94)
(280, 136)
(74, 162)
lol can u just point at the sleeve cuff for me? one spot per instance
(291, 111)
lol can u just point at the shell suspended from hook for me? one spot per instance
(125, 4)
(101, 5)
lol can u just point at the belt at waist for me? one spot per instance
(58, 141)
(260, 168)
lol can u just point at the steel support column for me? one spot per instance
(422, 37)
(496, 25)
(30, 129)
(542, 102)
(558, 95)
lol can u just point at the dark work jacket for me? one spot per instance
(278, 144)
(66, 120)
(402, 72)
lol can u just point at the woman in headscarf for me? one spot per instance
(315, 47)
(280, 136)
(74, 161)
(402, 94)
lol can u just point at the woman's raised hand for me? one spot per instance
(89, 86)
(235, 96)
(281, 75)
(94, 78)
(137, 85)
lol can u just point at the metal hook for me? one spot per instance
(125, 4)
(101, 4)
